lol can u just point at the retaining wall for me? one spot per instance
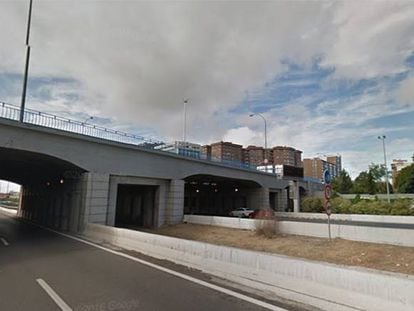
(372, 234)
(351, 217)
(327, 286)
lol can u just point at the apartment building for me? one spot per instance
(314, 168)
(283, 155)
(227, 151)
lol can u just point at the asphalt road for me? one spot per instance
(41, 270)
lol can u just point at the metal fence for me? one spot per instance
(11, 112)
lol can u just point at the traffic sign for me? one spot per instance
(328, 191)
(326, 177)
(328, 209)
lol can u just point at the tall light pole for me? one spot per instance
(185, 121)
(87, 119)
(26, 67)
(386, 168)
(266, 160)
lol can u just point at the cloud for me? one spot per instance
(406, 91)
(133, 62)
(243, 136)
(138, 60)
(371, 38)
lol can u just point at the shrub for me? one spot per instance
(266, 225)
(360, 206)
(312, 205)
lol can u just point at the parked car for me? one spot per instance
(241, 212)
(262, 214)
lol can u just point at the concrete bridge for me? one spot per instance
(69, 179)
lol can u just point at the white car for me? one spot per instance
(241, 212)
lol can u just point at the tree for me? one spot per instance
(365, 183)
(342, 183)
(404, 181)
(378, 171)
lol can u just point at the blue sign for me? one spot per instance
(326, 177)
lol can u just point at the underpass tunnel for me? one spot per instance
(50, 187)
(135, 206)
(213, 195)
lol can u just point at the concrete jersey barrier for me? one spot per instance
(327, 286)
(372, 234)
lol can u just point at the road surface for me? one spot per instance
(42, 270)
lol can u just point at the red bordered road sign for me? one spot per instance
(328, 191)
(328, 209)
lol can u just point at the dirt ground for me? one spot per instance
(376, 256)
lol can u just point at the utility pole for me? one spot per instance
(386, 168)
(185, 121)
(26, 67)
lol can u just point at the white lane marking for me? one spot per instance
(59, 301)
(4, 241)
(175, 273)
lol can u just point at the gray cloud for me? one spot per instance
(136, 60)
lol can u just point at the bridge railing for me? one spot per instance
(12, 112)
(52, 121)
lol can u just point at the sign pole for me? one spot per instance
(329, 227)
(328, 209)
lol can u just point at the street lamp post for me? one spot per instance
(87, 119)
(266, 160)
(386, 169)
(185, 122)
(26, 67)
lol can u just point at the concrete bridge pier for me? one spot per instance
(175, 202)
(294, 190)
(258, 198)
(94, 188)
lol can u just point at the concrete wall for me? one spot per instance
(96, 192)
(352, 217)
(174, 213)
(323, 285)
(257, 198)
(393, 236)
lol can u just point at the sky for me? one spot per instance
(329, 77)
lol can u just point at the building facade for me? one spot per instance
(283, 155)
(227, 151)
(314, 168)
(253, 155)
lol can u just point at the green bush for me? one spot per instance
(359, 206)
(312, 205)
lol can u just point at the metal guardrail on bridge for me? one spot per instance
(11, 112)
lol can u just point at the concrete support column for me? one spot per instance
(258, 198)
(281, 200)
(294, 190)
(175, 202)
(95, 191)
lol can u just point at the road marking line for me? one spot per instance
(55, 297)
(175, 273)
(4, 242)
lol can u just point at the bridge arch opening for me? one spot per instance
(214, 195)
(50, 187)
(9, 195)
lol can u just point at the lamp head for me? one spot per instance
(251, 115)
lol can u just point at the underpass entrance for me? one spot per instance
(135, 206)
(213, 195)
